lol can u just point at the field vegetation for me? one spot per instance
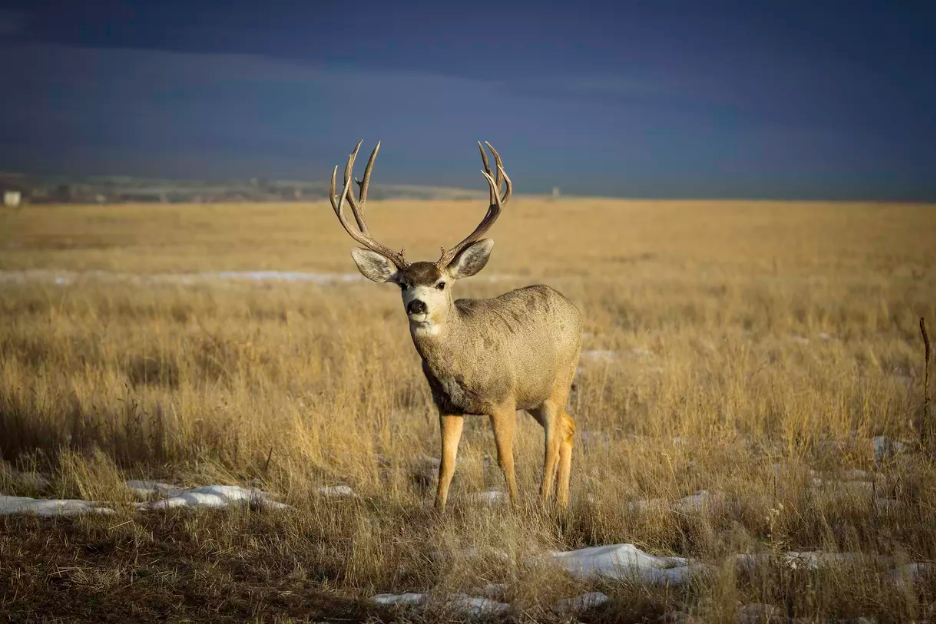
(765, 353)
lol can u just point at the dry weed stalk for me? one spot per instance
(925, 424)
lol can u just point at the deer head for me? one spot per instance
(425, 286)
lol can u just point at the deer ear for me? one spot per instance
(471, 260)
(373, 266)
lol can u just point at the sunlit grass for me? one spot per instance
(731, 347)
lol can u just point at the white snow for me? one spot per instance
(885, 448)
(65, 278)
(580, 604)
(912, 572)
(489, 497)
(213, 496)
(336, 491)
(462, 604)
(623, 561)
(49, 507)
(170, 496)
(408, 599)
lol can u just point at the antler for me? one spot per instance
(361, 234)
(494, 210)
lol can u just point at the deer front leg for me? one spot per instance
(503, 421)
(451, 427)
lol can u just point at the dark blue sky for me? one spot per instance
(666, 99)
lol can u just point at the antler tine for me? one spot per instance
(500, 173)
(365, 182)
(494, 209)
(360, 234)
(487, 168)
(357, 208)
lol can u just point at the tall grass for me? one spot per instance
(731, 347)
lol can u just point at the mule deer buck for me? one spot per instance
(518, 351)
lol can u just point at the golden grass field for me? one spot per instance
(748, 349)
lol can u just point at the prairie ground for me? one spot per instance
(765, 353)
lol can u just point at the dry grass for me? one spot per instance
(753, 342)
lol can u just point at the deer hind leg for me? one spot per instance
(559, 431)
(503, 421)
(567, 431)
(549, 416)
(451, 427)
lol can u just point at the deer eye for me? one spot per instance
(403, 286)
(441, 285)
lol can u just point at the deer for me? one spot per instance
(481, 357)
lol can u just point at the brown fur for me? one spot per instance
(495, 356)
(480, 356)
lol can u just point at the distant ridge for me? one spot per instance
(126, 189)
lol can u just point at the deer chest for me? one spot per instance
(456, 393)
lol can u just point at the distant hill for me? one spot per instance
(124, 189)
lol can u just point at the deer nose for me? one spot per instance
(415, 307)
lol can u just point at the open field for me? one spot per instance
(751, 350)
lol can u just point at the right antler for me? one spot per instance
(361, 234)
(494, 210)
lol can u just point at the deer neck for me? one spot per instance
(436, 339)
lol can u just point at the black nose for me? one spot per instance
(416, 307)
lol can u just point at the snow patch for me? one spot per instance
(885, 448)
(912, 572)
(623, 561)
(65, 278)
(462, 604)
(400, 600)
(215, 497)
(489, 497)
(336, 491)
(49, 507)
(645, 505)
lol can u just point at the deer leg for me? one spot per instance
(451, 427)
(503, 422)
(549, 416)
(567, 435)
